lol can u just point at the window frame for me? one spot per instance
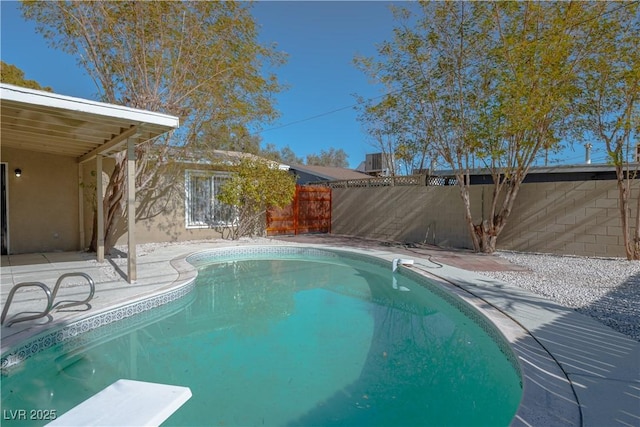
(188, 200)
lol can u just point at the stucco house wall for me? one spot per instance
(42, 202)
(43, 205)
(164, 218)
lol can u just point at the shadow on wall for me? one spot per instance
(564, 217)
(431, 215)
(577, 217)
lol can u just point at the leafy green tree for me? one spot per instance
(255, 186)
(13, 75)
(609, 106)
(284, 155)
(200, 61)
(331, 157)
(289, 157)
(486, 83)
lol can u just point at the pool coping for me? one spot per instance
(575, 370)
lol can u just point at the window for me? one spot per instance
(202, 207)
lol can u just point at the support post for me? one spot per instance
(80, 207)
(132, 274)
(99, 209)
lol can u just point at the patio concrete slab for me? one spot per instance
(461, 258)
(577, 371)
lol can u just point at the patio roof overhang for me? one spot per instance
(47, 122)
(35, 120)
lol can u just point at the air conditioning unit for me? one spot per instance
(378, 164)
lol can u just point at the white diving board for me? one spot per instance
(127, 403)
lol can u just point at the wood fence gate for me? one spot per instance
(309, 212)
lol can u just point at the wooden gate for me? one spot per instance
(309, 212)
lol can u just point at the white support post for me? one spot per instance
(100, 209)
(80, 207)
(132, 274)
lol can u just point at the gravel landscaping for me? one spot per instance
(607, 289)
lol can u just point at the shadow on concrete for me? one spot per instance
(567, 354)
(603, 368)
(619, 308)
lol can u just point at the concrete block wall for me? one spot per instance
(574, 218)
(431, 215)
(578, 218)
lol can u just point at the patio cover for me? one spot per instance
(46, 122)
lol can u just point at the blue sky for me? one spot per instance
(321, 39)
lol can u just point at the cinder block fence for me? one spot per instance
(574, 217)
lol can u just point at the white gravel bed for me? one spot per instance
(607, 289)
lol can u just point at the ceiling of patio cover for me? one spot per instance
(47, 122)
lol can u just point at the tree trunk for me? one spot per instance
(631, 245)
(93, 245)
(464, 195)
(484, 235)
(487, 236)
(113, 206)
(636, 234)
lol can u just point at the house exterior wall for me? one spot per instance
(43, 202)
(577, 217)
(164, 219)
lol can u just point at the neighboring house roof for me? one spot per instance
(580, 172)
(226, 157)
(329, 173)
(546, 169)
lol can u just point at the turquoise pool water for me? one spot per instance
(296, 341)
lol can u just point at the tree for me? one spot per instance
(13, 75)
(391, 131)
(198, 60)
(284, 155)
(331, 157)
(609, 106)
(255, 186)
(485, 82)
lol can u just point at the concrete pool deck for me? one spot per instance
(577, 371)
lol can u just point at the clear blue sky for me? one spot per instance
(321, 39)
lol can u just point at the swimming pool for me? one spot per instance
(294, 337)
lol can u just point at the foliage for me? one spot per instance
(200, 61)
(13, 75)
(255, 186)
(608, 108)
(480, 83)
(331, 157)
(284, 155)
